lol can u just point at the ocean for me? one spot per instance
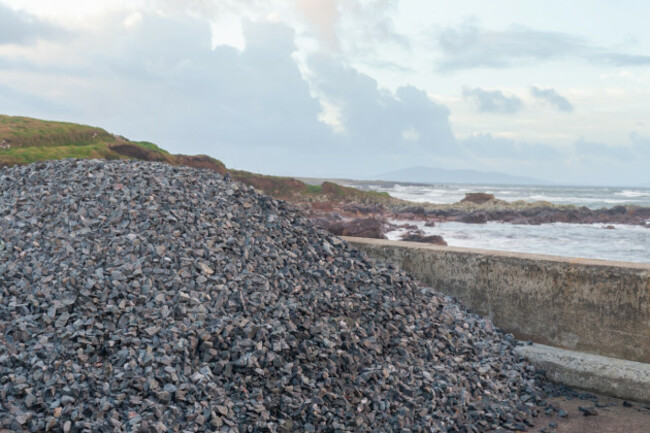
(623, 243)
(591, 197)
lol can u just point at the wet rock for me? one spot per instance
(474, 218)
(418, 236)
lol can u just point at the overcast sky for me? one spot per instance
(347, 88)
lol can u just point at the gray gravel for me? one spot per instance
(137, 296)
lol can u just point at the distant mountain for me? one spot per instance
(443, 175)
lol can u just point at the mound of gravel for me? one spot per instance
(137, 296)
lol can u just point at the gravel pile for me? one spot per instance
(137, 296)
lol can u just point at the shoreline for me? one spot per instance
(482, 221)
(567, 240)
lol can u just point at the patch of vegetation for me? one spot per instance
(337, 192)
(27, 155)
(26, 132)
(313, 189)
(150, 146)
(285, 188)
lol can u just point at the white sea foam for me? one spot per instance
(592, 197)
(633, 194)
(623, 243)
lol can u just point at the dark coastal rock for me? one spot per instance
(141, 297)
(477, 197)
(414, 210)
(406, 216)
(407, 226)
(418, 236)
(616, 210)
(474, 218)
(641, 212)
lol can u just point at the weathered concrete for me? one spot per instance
(593, 306)
(610, 376)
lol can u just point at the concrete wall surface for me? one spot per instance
(592, 306)
(628, 380)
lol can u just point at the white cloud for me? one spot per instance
(493, 101)
(132, 20)
(324, 16)
(553, 98)
(470, 46)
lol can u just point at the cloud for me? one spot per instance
(600, 163)
(470, 46)
(368, 25)
(378, 121)
(641, 146)
(488, 146)
(19, 28)
(324, 16)
(493, 101)
(159, 79)
(15, 101)
(596, 150)
(377, 15)
(621, 59)
(552, 97)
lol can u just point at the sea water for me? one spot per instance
(622, 243)
(591, 197)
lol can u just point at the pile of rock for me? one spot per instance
(143, 297)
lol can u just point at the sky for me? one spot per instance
(549, 89)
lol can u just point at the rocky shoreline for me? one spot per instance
(374, 221)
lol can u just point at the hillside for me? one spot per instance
(24, 140)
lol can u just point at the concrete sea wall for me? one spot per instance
(592, 306)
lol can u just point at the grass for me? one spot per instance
(26, 155)
(26, 132)
(150, 146)
(314, 189)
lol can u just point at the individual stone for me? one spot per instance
(419, 236)
(588, 411)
